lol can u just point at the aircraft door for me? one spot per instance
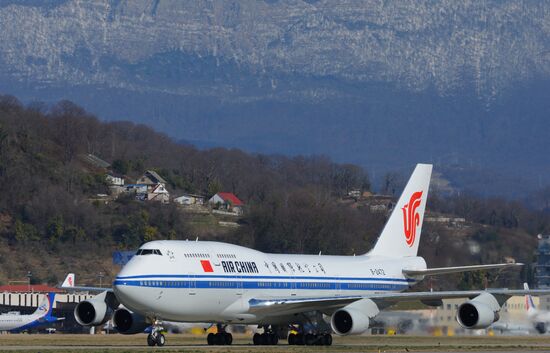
(239, 285)
(171, 255)
(192, 284)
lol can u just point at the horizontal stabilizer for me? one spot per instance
(443, 270)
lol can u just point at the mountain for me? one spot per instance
(379, 83)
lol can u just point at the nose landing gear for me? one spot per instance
(156, 337)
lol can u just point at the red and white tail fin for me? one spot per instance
(529, 303)
(401, 234)
(69, 281)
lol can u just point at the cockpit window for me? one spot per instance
(148, 252)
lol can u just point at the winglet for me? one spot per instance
(69, 281)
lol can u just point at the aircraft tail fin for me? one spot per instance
(69, 281)
(529, 303)
(46, 305)
(401, 234)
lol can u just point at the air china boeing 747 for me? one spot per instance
(223, 284)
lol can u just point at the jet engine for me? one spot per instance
(354, 318)
(479, 312)
(92, 312)
(540, 327)
(95, 311)
(128, 323)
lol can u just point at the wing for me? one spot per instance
(284, 306)
(69, 285)
(86, 289)
(443, 270)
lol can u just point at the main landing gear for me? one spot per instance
(156, 338)
(221, 338)
(268, 338)
(310, 339)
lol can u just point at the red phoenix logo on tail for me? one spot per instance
(411, 218)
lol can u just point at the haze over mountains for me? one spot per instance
(464, 84)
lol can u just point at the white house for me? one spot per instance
(189, 199)
(159, 193)
(227, 201)
(114, 180)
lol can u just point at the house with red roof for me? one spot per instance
(227, 201)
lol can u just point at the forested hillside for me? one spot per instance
(51, 223)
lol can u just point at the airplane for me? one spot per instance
(286, 295)
(539, 318)
(15, 322)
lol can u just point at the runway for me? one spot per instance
(242, 343)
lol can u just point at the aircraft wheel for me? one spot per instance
(300, 339)
(273, 339)
(219, 339)
(309, 339)
(256, 339)
(327, 339)
(210, 339)
(291, 339)
(151, 342)
(228, 338)
(161, 340)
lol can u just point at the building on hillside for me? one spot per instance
(151, 178)
(95, 161)
(114, 179)
(158, 193)
(155, 187)
(227, 201)
(190, 199)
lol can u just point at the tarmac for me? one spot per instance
(242, 343)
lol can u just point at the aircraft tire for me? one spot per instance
(219, 339)
(161, 340)
(228, 338)
(256, 339)
(300, 339)
(210, 339)
(273, 339)
(292, 339)
(327, 339)
(309, 339)
(151, 342)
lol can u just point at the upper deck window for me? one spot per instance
(148, 252)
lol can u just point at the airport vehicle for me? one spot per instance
(539, 318)
(15, 322)
(199, 281)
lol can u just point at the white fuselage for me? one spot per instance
(9, 322)
(214, 282)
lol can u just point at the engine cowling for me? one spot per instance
(128, 323)
(92, 312)
(354, 318)
(479, 312)
(540, 327)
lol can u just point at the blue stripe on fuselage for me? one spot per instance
(244, 277)
(263, 285)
